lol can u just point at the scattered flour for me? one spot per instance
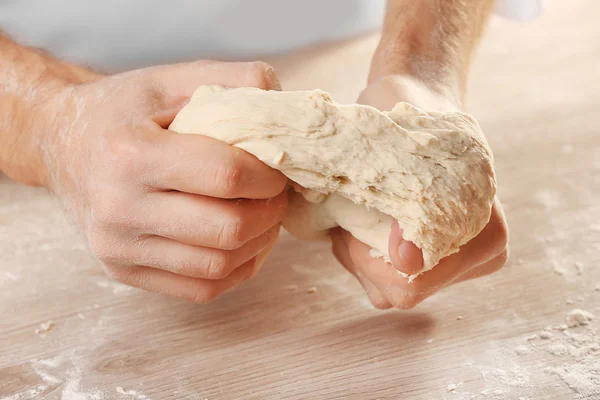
(575, 347)
(53, 362)
(28, 394)
(558, 349)
(44, 328)
(45, 369)
(581, 370)
(116, 287)
(339, 282)
(583, 378)
(522, 350)
(546, 335)
(568, 270)
(72, 388)
(66, 373)
(453, 386)
(131, 393)
(560, 327)
(579, 317)
(496, 393)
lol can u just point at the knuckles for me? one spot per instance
(101, 247)
(213, 264)
(110, 211)
(219, 265)
(125, 157)
(109, 248)
(230, 233)
(130, 276)
(114, 191)
(228, 178)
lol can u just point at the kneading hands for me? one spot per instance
(191, 217)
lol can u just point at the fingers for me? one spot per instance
(198, 262)
(487, 268)
(198, 164)
(490, 242)
(395, 287)
(210, 222)
(340, 250)
(202, 165)
(387, 279)
(181, 80)
(176, 83)
(404, 255)
(481, 256)
(262, 256)
(377, 299)
(171, 284)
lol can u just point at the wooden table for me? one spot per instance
(535, 90)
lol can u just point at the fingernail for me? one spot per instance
(403, 249)
(274, 83)
(409, 257)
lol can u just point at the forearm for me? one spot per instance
(432, 41)
(28, 77)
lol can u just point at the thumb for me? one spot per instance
(179, 81)
(405, 256)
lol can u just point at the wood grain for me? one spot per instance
(535, 91)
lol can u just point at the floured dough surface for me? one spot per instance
(357, 167)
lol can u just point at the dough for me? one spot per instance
(357, 167)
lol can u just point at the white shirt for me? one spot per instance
(116, 35)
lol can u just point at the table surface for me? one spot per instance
(533, 88)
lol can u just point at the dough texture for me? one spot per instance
(357, 167)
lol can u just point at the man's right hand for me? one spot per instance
(182, 215)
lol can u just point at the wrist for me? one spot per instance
(23, 134)
(434, 77)
(385, 91)
(431, 42)
(28, 112)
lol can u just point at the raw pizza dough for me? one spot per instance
(357, 167)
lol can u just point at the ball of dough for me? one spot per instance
(357, 167)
